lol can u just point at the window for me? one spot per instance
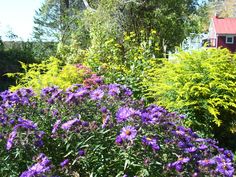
(229, 40)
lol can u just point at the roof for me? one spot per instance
(225, 25)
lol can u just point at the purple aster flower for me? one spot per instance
(203, 147)
(105, 119)
(124, 113)
(55, 112)
(178, 165)
(152, 142)
(85, 123)
(70, 97)
(119, 140)
(81, 152)
(113, 89)
(81, 92)
(41, 167)
(55, 126)
(229, 154)
(148, 118)
(182, 116)
(97, 94)
(206, 162)
(12, 121)
(225, 169)
(10, 139)
(69, 124)
(127, 91)
(182, 144)
(25, 123)
(103, 110)
(128, 133)
(190, 149)
(64, 163)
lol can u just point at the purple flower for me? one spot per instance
(225, 169)
(81, 152)
(119, 140)
(128, 133)
(69, 124)
(124, 113)
(178, 165)
(203, 147)
(190, 149)
(127, 91)
(103, 110)
(85, 123)
(113, 89)
(25, 123)
(97, 94)
(55, 126)
(152, 142)
(148, 118)
(11, 138)
(64, 163)
(206, 162)
(105, 119)
(229, 154)
(81, 92)
(41, 167)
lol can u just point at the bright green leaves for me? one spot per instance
(199, 83)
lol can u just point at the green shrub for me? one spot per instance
(202, 85)
(124, 62)
(49, 73)
(9, 57)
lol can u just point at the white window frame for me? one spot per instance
(227, 37)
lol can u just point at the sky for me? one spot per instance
(17, 16)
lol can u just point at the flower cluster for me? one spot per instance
(41, 167)
(101, 130)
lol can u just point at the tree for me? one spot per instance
(173, 20)
(223, 8)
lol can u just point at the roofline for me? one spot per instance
(225, 34)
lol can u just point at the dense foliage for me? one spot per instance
(200, 84)
(51, 72)
(10, 54)
(124, 61)
(99, 131)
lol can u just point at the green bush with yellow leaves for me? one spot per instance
(124, 61)
(202, 85)
(51, 72)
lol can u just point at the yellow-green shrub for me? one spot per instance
(48, 73)
(124, 61)
(201, 84)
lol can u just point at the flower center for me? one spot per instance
(128, 132)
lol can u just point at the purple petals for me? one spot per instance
(40, 168)
(128, 133)
(55, 126)
(69, 124)
(152, 142)
(113, 89)
(64, 163)
(124, 113)
(26, 124)
(206, 162)
(10, 140)
(81, 152)
(97, 94)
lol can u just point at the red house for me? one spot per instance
(222, 33)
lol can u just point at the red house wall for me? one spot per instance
(221, 43)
